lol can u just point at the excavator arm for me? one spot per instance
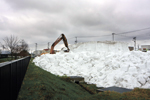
(61, 37)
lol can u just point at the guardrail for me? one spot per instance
(11, 76)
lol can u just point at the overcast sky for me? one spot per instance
(42, 21)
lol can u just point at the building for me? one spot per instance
(145, 46)
(37, 52)
(46, 51)
(4, 54)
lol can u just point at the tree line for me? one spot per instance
(16, 46)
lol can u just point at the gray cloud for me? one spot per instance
(51, 6)
(43, 21)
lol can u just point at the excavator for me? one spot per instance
(61, 37)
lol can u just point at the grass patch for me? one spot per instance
(91, 88)
(4, 60)
(39, 84)
(136, 94)
(42, 85)
(7, 59)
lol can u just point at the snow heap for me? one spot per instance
(107, 46)
(102, 63)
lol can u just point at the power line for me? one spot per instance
(91, 36)
(124, 36)
(42, 43)
(87, 36)
(128, 32)
(70, 38)
(134, 31)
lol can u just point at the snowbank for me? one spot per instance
(103, 64)
(106, 46)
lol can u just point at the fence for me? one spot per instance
(11, 77)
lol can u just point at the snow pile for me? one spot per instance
(107, 46)
(102, 64)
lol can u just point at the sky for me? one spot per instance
(43, 21)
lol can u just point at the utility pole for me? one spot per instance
(76, 40)
(113, 36)
(48, 45)
(134, 39)
(36, 48)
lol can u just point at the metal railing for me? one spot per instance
(11, 76)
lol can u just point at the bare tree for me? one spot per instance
(15, 45)
(0, 46)
(11, 43)
(22, 46)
